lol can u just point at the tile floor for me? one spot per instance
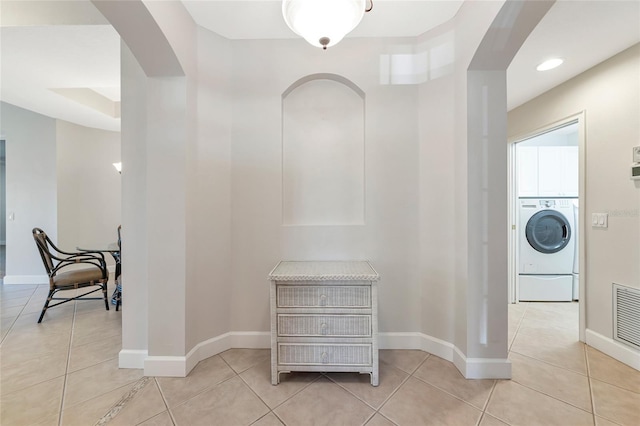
(64, 372)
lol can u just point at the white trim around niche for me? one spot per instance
(180, 366)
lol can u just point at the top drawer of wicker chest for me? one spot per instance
(308, 296)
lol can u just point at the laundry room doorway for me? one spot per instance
(546, 187)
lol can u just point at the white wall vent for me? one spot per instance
(626, 315)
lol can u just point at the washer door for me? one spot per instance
(548, 231)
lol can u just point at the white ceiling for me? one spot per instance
(72, 72)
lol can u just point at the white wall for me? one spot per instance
(31, 189)
(209, 306)
(262, 72)
(88, 186)
(609, 93)
(135, 270)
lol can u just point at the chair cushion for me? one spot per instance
(77, 277)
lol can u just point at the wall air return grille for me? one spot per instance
(626, 315)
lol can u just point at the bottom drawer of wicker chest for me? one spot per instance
(325, 354)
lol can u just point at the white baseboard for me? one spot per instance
(471, 368)
(482, 368)
(614, 349)
(132, 358)
(415, 340)
(180, 366)
(166, 366)
(26, 279)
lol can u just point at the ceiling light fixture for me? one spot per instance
(550, 64)
(323, 23)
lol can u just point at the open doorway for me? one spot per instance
(545, 249)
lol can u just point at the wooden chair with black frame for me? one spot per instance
(62, 276)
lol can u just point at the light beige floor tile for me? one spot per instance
(11, 312)
(324, 403)
(91, 411)
(8, 291)
(548, 328)
(36, 304)
(560, 383)
(94, 353)
(162, 419)
(88, 306)
(48, 421)
(557, 347)
(32, 405)
(242, 359)
(96, 325)
(98, 379)
(516, 313)
(209, 372)
(13, 302)
(54, 320)
(380, 420)
(145, 404)
(360, 384)
(488, 420)
(6, 299)
(519, 405)
(258, 378)
(229, 403)
(517, 310)
(268, 420)
(616, 404)
(4, 329)
(556, 307)
(405, 360)
(31, 343)
(418, 403)
(444, 375)
(20, 375)
(511, 334)
(601, 421)
(607, 369)
(7, 322)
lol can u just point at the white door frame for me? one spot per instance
(513, 212)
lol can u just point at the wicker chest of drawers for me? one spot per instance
(324, 317)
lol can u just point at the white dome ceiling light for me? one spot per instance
(324, 23)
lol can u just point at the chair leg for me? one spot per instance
(118, 296)
(46, 305)
(104, 294)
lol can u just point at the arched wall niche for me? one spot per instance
(323, 152)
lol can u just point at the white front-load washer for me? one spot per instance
(546, 249)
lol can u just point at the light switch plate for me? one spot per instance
(636, 154)
(600, 220)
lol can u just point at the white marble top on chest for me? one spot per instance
(324, 271)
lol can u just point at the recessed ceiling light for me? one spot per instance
(550, 64)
